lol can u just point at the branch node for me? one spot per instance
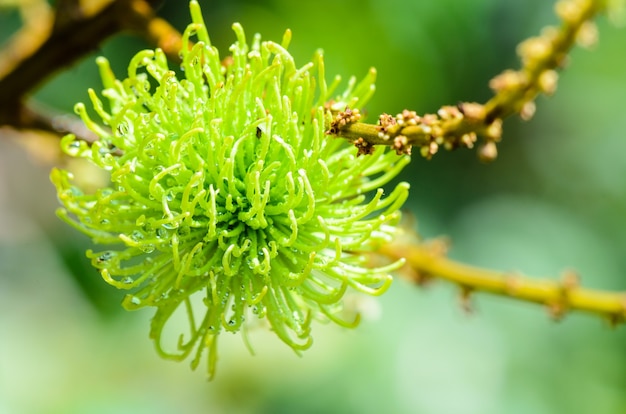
(422, 279)
(469, 139)
(488, 152)
(547, 81)
(385, 121)
(528, 110)
(426, 151)
(494, 131)
(465, 299)
(587, 35)
(343, 118)
(407, 118)
(561, 305)
(618, 317)
(402, 146)
(363, 147)
(438, 247)
(472, 111)
(448, 112)
(508, 80)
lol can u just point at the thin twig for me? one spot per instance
(428, 260)
(515, 92)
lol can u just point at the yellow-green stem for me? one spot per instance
(428, 261)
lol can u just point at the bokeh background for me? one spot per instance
(555, 199)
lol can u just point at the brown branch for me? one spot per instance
(59, 123)
(75, 33)
(515, 91)
(38, 19)
(66, 12)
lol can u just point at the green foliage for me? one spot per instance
(226, 199)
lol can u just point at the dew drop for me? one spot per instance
(72, 192)
(122, 129)
(296, 316)
(170, 226)
(127, 280)
(73, 148)
(105, 257)
(147, 248)
(148, 227)
(136, 236)
(148, 150)
(105, 192)
(156, 170)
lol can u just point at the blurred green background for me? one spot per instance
(554, 199)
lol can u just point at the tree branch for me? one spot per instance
(515, 91)
(428, 260)
(74, 34)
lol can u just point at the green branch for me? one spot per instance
(428, 260)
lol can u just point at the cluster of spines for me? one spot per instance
(223, 184)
